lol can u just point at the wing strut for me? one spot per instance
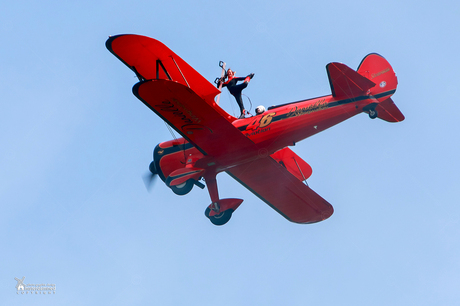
(303, 176)
(159, 63)
(180, 71)
(139, 76)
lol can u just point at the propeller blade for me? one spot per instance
(149, 178)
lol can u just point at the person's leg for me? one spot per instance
(239, 100)
(236, 92)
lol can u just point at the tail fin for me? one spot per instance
(374, 78)
(377, 69)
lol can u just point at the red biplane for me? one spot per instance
(254, 151)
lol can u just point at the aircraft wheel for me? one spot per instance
(373, 114)
(184, 188)
(221, 218)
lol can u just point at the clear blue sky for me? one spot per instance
(75, 143)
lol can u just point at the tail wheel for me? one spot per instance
(184, 188)
(373, 114)
(219, 219)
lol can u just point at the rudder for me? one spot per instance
(378, 70)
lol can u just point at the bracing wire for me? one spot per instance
(250, 103)
(171, 131)
(175, 138)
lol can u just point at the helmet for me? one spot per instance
(260, 109)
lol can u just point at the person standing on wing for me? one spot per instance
(236, 89)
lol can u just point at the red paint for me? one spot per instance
(252, 150)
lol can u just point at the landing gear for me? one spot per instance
(220, 218)
(370, 109)
(373, 114)
(184, 188)
(221, 211)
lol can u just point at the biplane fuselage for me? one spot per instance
(252, 150)
(273, 130)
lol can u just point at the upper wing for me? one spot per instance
(151, 59)
(179, 95)
(286, 194)
(208, 127)
(345, 82)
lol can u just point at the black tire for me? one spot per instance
(207, 212)
(373, 114)
(221, 218)
(184, 188)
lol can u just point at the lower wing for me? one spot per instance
(280, 189)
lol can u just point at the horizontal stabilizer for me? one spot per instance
(388, 111)
(347, 83)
